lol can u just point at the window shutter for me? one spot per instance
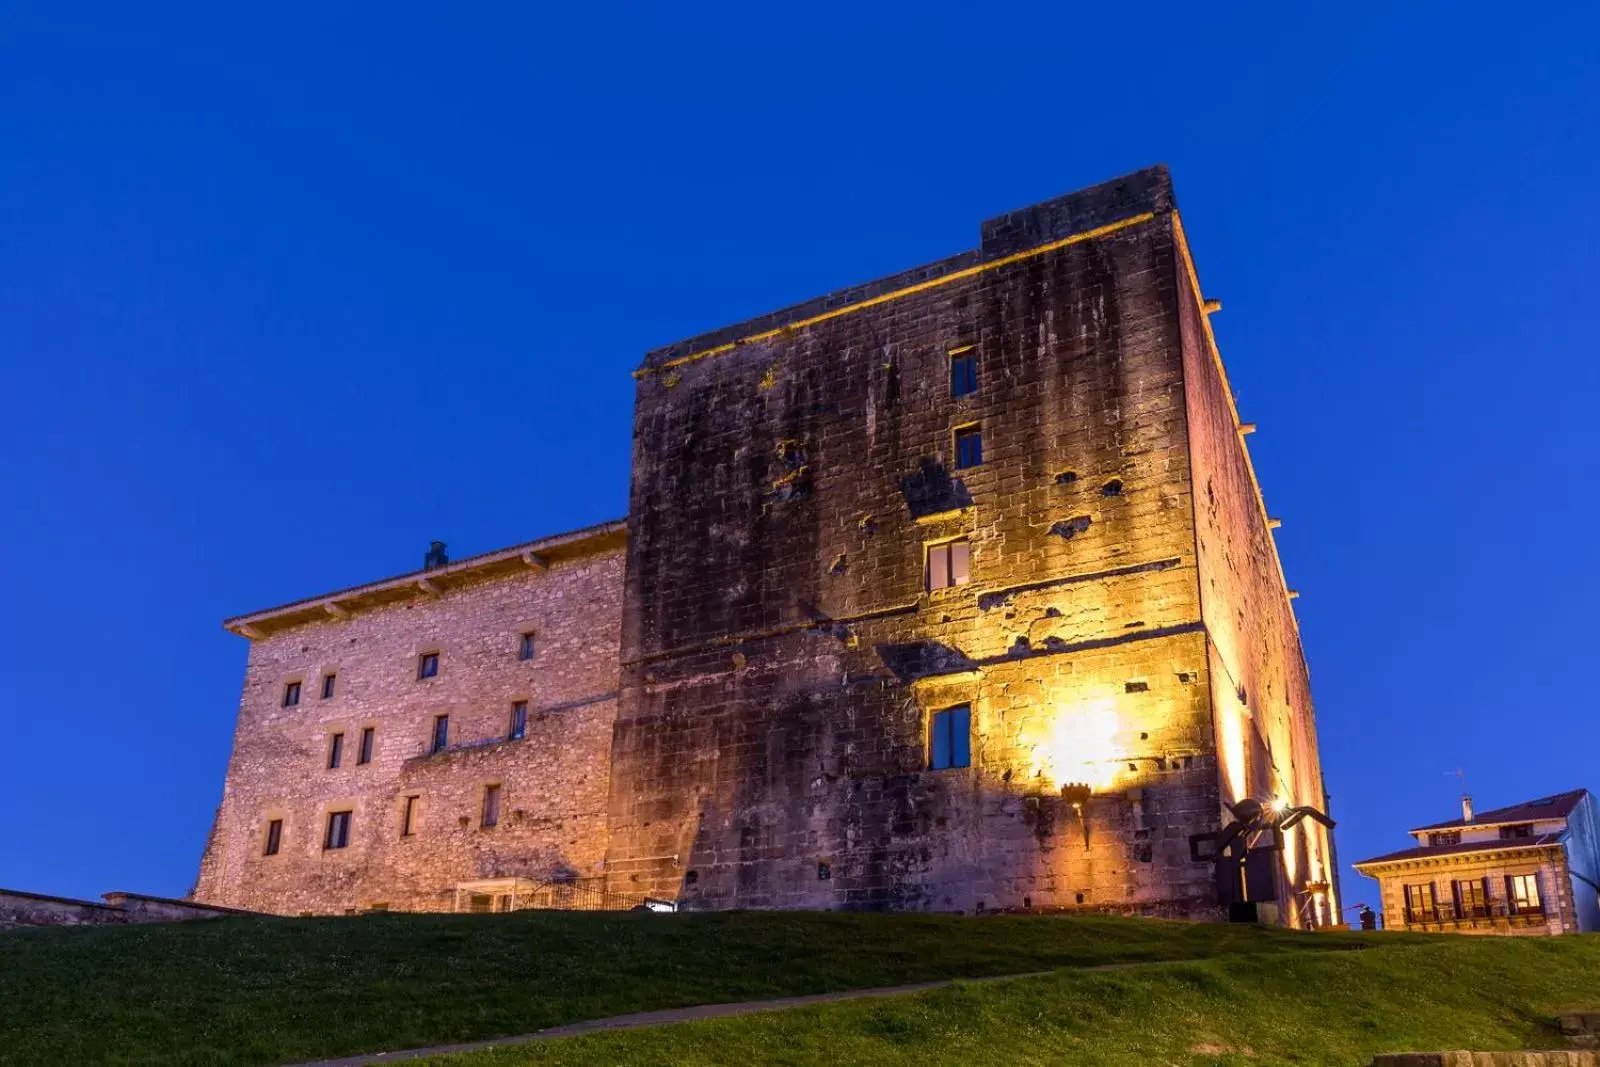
(960, 562)
(961, 736)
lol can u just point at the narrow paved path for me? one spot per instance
(700, 1011)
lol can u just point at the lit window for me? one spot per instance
(408, 817)
(441, 732)
(1472, 898)
(1522, 892)
(335, 751)
(519, 721)
(525, 649)
(969, 447)
(1420, 904)
(274, 837)
(368, 735)
(291, 694)
(950, 744)
(963, 372)
(491, 805)
(949, 564)
(338, 830)
(1445, 837)
(1521, 829)
(427, 665)
(327, 686)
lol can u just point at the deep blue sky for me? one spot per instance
(283, 297)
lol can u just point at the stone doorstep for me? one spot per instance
(1462, 1058)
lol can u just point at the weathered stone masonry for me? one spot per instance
(554, 781)
(780, 654)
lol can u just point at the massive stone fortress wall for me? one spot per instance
(553, 781)
(750, 713)
(783, 655)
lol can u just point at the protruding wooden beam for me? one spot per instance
(245, 630)
(535, 561)
(336, 609)
(1294, 594)
(427, 587)
(1273, 524)
(1211, 307)
(1246, 428)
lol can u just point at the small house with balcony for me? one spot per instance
(1530, 868)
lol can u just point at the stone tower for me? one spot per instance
(955, 590)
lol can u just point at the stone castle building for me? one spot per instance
(950, 591)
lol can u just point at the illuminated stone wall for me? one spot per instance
(1261, 692)
(782, 658)
(554, 781)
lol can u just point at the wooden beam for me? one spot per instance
(1273, 524)
(1294, 594)
(427, 587)
(334, 608)
(1246, 428)
(1211, 307)
(245, 630)
(535, 561)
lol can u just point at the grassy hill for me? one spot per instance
(271, 991)
(1334, 1008)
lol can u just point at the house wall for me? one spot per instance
(1548, 864)
(554, 782)
(782, 658)
(1583, 861)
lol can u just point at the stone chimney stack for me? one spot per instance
(1466, 808)
(435, 557)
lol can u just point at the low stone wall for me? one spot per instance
(142, 908)
(36, 909)
(18, 908)
(1556, 1058)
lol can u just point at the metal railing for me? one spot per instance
(1494, 911)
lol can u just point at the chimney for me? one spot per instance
(435, 557)
(1466, 808)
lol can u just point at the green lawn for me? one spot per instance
(269, 991)
(1305, 1008)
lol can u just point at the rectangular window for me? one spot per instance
(408, 817)
(335, 751)
(1420, 904)
(519, 721)
(427, 665)
(525, 649)
(291, 694)
(274, 837)
(368, 734)
(441, 732)
(1472, 899)
(491, 805)
(1522, 893)
(951, 742)
(1445, 837)
(949, 564)
(963, 371)
(969, 447)
(1521, 829)
(327, 686)
(338, 830)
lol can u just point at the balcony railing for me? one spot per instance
(1493, 913)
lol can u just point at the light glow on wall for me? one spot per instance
(1230, 745)
(1082, 745)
